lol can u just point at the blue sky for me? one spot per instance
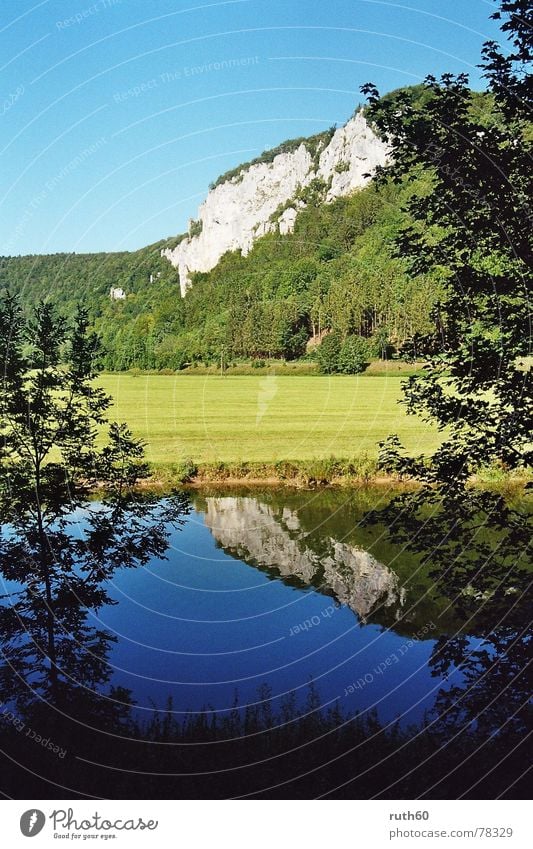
(117, 114)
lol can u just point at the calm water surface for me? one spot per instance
(279, 588)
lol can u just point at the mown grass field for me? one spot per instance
(265, 418)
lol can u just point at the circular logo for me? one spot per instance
(32, 822)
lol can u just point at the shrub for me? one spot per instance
(327, 353)
(341, 167)
(195, 227)
(353, 355)
(187, 471)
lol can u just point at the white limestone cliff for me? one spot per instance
(243, 208)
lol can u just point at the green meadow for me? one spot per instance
(263, 419)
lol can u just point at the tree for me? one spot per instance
(58, 547)
(327, 353)
(353, 355)
(476, 223)
(473, 225)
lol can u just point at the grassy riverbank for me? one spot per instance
(270, 422)
(269, 429)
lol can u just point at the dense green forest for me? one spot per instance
(335, 272)
(335, 277)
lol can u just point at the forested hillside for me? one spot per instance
(334, 273)
(334, 277)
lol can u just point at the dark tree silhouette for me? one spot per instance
(58, 546)
(475, 223)
(476, 386)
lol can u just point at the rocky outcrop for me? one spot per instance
(273, 539)
(249, 204)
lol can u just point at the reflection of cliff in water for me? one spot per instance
(273, 539)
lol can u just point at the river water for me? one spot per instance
(280, 588)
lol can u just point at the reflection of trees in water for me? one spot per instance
(264, 745)
(496, 682)
(53, 655)
(477, 543)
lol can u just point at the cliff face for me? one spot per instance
(245, 207)
(274, 539)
